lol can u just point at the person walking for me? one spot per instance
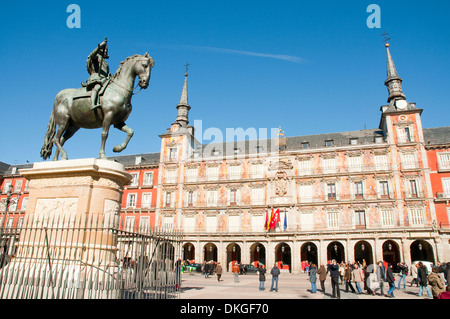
(381, 276)
(423, 279)
(436, 282)
(403, 273)
(219, 271)
(391, 280)
(275, 272)
(333, 268)
(348, 278)
(341, 272)
(313, 278)
(414, 275)
(322, 272)
(358, 277)
(262, 276)
(235, 270)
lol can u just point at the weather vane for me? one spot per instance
(386, 39)
(187, 66)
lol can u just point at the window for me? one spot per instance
(258, 223)
(331, 191)
(168, 200)
(134, 179)
(360, 219)
(146, 200)
(189, 223)
(416, 216)
(234, 223)
(233, 197)
(257, 196)
(443, 161)
(329, 143)
(381, 162)
(306, 193)
(353, 141)
(129, 223)
(24, 203)
(408, 160)
(6, 186)
(211, 198)
(190, 198)
(329, 165)
(211, 223)
(144, 223)
(333, 219)
(378, 139)
(383, 189)
(173, 153)
(259, 149)
(387, 217)
(212, 173)
(236, 151)
(355, 163)
(168, 222)
(131, 201)
(214, 152)
(234, 171)
(359, 193)
(446, 187)
(171, 176)
(413, 188)
(305, 167)
(257, 170)
(18, 186)
(404, 135)
(148, 178)
(305, 145)
(192, 174)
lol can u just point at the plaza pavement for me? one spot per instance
(290, 286)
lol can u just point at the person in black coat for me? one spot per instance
(262, 277)
(422, 277)
(391, 280)
(333, 268)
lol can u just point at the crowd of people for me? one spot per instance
(370, 279)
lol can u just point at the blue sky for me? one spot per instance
(310, 67)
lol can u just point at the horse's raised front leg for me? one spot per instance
(105, 131)
(123, 127)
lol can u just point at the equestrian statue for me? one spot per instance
(102, 101)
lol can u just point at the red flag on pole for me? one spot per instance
(267, 219)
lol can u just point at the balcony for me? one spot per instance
(442, 197)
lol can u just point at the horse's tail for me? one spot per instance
(46, 149)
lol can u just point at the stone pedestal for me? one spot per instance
(68, 241)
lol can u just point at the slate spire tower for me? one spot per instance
(393, 81)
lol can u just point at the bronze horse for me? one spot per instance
(72, 108)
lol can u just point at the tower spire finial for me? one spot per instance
(183, 106)
(393, 81)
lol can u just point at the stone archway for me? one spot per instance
(283, 256)
(188, 251)
(258, 254)
(233, 255)
(309, 252)
(363, 252)
(335, 250)
(209, 252)
(391, 253)
(421, 250)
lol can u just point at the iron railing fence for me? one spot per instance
(88, 257)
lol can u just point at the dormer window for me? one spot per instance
(354, 141)
(305, 145)
(329, 143)
(173, 153)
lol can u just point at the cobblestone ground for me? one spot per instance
(290, 286)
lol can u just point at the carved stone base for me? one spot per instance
(68, 228)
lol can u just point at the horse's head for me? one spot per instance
(143, 68)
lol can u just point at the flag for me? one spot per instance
(275, 219)
(267, 219)
(285, 219)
